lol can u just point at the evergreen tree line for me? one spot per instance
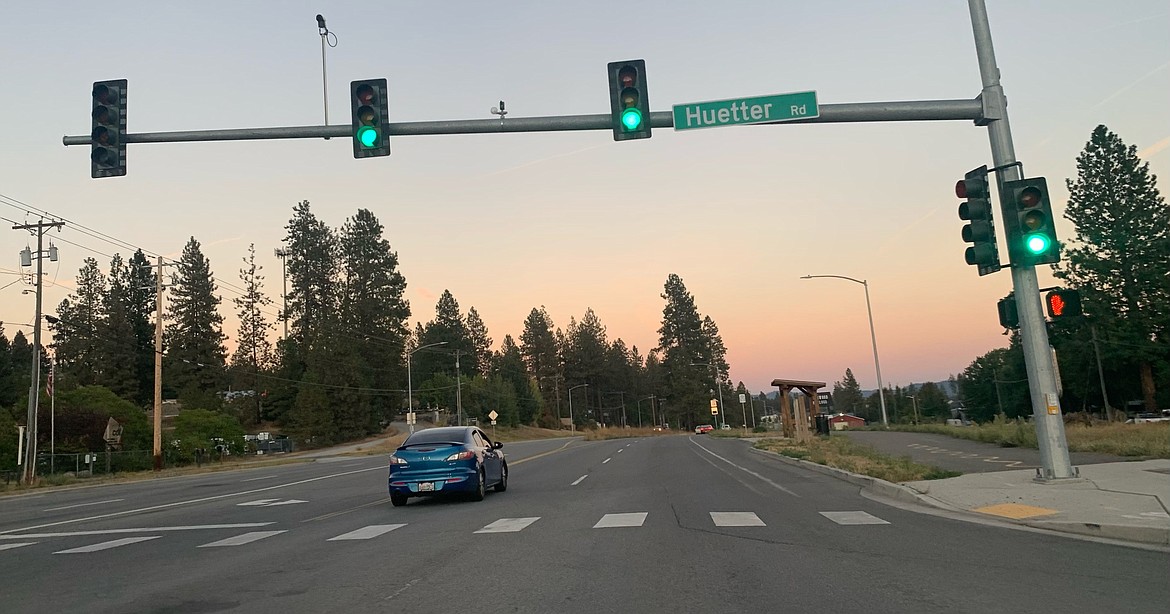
(340, 372)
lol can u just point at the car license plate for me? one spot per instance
(425, 486)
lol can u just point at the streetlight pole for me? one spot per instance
(282, 253)
(572, 423)
(409, 388)
(877, 365)
(915, 399)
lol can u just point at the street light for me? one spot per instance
(872, 337)
(572, 423)
(409, 389)
(915, 399)
(719, 385)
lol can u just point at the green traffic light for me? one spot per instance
(367, 136)
(631, 119)
(1037, 243)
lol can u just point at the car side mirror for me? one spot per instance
(496, 445)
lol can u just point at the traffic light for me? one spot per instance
(107, 149)
(1031, 232)
(1009, 315)
(371, 129)
(1063, 304)
(980, 232)
(627, 100)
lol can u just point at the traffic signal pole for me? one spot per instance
(1046, 414)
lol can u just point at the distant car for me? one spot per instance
(703, 428)
(447, 460)
(726, 427)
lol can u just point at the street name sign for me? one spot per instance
(740, 111)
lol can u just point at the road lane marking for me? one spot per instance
(634, 519)
(605, 461)
(744, 469)
(352, 509)
(736, 519)
(258, 502)
(200, 527)
(369, 532)
(263, 477)
(125, 541)
(16, 545)
(69, 507)
(620, 450)
(191, 501)
(286, 502)
(853, 518)
(243, 538)
(508, 525)
(528, 458)
(579, 480)
(1015, 511)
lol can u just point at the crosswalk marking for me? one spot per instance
(125, 541)
(508, 525)
(634, 519)
(853, 518)
(736, 519)
(369, 532)
(11, 546)
(239, 540)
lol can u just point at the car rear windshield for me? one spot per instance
(440, 435)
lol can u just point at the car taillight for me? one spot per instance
(464, 455)
(394, 460)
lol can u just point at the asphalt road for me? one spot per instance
(964, 455)
(666, 524)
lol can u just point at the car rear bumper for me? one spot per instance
(433, 482)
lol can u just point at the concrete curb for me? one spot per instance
(898, 492)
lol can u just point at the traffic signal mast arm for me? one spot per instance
(852, 112)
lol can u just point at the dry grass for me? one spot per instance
(843, 453)
(1151, 440)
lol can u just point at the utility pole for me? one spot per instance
(29, 473)
(1033, 335)
(1100, 372)
(458, 390)
(158, 335)
(282, 253)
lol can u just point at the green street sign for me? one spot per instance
(739, 111)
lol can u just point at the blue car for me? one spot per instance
(446, 460)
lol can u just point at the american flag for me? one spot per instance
(49, 383)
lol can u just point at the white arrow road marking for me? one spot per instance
(107, 545)
(270, 502)
(288, 502)
(240, 540)
(508, 525)
(369, 532)
(634, 519)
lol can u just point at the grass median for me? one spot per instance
(843, 453)
(1135, 440)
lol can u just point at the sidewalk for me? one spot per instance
(1128, 501)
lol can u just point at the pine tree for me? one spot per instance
(847, 395)
(140, 310)
(253, 353)
(686, 354)
(312, 267)
(8, 391)
(116, 333)
(448, 326)
(76, 333)
(1120, 258)
(481, 343)
(194, 338)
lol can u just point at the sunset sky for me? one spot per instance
(574, 220)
